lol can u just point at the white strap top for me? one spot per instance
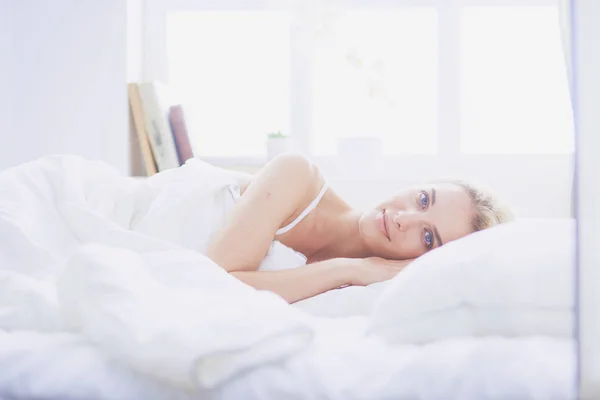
(304, 213)
(235, 193)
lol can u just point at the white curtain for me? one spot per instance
(564, 8)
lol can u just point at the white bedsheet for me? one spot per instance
(345, 365)
(104, 294)
(64, 366)
(73, 259)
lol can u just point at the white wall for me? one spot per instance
(64, 74)
(541, 187)
(533, 186)
(135, 32)
(5, 74)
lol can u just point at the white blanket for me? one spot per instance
(341, 364)
(83, 249)
(102, 277)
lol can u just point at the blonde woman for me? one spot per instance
(289, 202)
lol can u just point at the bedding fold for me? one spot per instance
(118, 261)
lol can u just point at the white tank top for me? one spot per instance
(280, 256)
(235, 193)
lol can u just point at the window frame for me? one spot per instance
(449, 161)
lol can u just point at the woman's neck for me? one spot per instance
(339, 226)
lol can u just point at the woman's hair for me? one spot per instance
(488, 210)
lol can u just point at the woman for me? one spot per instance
(289, 201)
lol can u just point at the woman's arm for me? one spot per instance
(303, 282)
(300, 283)
(277, 192)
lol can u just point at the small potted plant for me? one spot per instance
(277, 143)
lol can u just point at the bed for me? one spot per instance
(64, 366)
(105, 294)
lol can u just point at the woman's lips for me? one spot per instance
(382, 222)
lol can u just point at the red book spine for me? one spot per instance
(180, 134)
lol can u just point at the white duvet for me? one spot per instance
(106, 270)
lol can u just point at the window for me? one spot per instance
(514, 93)
(232, 71)
(454, 78)
(375, 75)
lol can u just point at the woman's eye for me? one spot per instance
(428, 239)
(424, 199)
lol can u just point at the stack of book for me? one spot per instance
(159, 129)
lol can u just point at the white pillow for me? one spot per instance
(514, 280)
(350, 301)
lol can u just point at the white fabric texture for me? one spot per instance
(65, 366)
(137, 294)
(342, 364)
(565, 17)
(513, 280)
(349, 301)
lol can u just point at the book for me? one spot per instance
(138, 126)
(180, 134)
(154, 99)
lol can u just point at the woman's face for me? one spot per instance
(417, 220)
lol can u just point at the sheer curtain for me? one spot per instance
(564, 7)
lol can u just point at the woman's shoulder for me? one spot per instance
(293, 171)
(294, 165)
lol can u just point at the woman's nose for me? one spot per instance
(405, 219)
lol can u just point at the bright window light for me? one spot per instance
(514, 87)
(375, 75)
(232, 71)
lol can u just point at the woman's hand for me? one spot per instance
(374, 269)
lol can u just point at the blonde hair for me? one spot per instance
(489, 211)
